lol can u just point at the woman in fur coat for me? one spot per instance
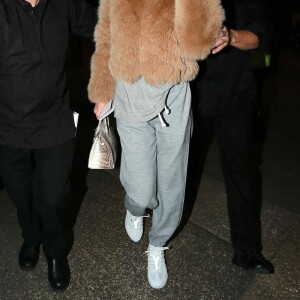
(146, 54)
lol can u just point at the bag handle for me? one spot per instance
(104, 125)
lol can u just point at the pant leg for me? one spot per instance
(1, 184)
(138, 165)
(16, 171)
(234, 133)
(172, 159)
(51, 195)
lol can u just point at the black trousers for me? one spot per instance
(37, 180)
(234, 136)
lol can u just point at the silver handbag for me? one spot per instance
(103, 153)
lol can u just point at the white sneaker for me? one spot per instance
(157, 270)
(134, 226)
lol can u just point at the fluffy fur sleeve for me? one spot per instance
(197, 24)
(101, 86)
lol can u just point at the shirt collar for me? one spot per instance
(27, 7)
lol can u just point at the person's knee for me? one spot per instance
(235, 161)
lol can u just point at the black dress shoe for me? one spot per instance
(253, 261)
(58, 273)
(28, 257)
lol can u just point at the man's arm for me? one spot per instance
(241, 39)
(253, 32)
(83, 18)
(101, 86)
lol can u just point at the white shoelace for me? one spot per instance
(157, 256)
(137, 222)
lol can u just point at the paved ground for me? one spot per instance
(106, 265)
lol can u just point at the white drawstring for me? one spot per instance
(162, 121)
(168, 111)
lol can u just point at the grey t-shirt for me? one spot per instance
(139, 101)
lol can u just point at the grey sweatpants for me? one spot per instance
(154, 165)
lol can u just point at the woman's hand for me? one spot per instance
(98, 109)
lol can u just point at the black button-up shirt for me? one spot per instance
(34, 106)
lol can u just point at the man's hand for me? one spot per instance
(222, 41)
(98, 109)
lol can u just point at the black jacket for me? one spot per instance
(226, 78)
(34, 106)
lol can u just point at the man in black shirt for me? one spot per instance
(226, 92)
(36, 123)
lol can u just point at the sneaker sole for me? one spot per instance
(157, 287)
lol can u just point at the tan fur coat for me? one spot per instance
(157, 39)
